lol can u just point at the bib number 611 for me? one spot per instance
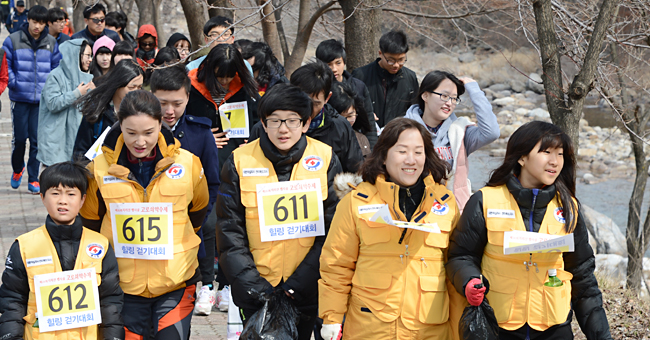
(291, 208)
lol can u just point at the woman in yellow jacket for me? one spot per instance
(389, 280)
(149, 197)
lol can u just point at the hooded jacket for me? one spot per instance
(391, 94)
(14, 292)
(85, 34)
(232, 236)
(58, 118)
(201, 104)
(176, 37)
(335, 132)
(29, 62)
(146, 57)
(469, 239)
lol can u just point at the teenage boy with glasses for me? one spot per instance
(392, 86)
(56, 19)
(95, 19)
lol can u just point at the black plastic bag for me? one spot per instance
(276, 320)
(479, 323)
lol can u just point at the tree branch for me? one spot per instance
(445, 17)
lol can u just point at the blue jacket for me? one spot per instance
(15, 21)
(62, 38)
(85, 34)
(29, 62)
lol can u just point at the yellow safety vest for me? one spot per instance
(517, 292)
(276, 260)
(37, 243)
(151, 278)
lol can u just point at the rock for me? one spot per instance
(530, 94)
(497, 153)
(506, 131)
(609, 238)
(612, 265)
(504, 101)
(583, 123)
(500, 87)
(588, 178)
(521, 112)
(598, 167)
(504, 93)
(467, 57)
(535, 83)
(587, 152)
(539, 113)
(517, 86)
(504, 114)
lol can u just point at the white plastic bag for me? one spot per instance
(235, 324)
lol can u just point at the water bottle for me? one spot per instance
(553, 281)
(36, 322)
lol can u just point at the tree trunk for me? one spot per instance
(127, 7)
(78, 17)
(362, 32)
(111, 5)
(196, 18)
(146, 11)
(270, 29)
(158, 23)
(213, 12)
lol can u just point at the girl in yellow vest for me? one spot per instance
(386, 276)
(525, 235)
(56, 249)
(149, 197)
(274, 208)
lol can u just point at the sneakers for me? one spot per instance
(34, 188)
(223, 299)
(16, 179)
(206, 299)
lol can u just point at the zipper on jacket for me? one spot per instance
(530, 229)
(35, 76)
(424, 262)
(527, 332)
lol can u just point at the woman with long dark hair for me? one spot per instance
(454, 138)
(223, 78)
(266, 68)
(145, 178)
(389, 278)
(349, 105)
(531, 195)
(99, 105)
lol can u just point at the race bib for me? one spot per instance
(523, 242)
(234, 119)
(289, 210)
(66, 300)
(143, 230)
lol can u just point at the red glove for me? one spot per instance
(474, 295)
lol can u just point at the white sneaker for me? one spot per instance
(206, 299)
(223, 299)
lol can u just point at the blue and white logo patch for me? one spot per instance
(312, 163)
(95, 250)
(175, 171)
(559, 215)
(440, 209)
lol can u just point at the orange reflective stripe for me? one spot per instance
(181, 311)
(128, 335)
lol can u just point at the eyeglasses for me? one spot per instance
(87, 55)
(98, 21)
(392, 62)
(445, 98)
(151, 44)
(225, 36)
(59, 22)
(184, 50)
(291, 123)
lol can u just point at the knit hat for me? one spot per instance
(104, 41)
(176, 37)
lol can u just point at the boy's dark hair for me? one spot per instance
(116, 19)
(37, 13)
(68, 174)
(331, 49)
(96, 8)
(218, 21)
(313, 78)
(344, 97)
(394, 42)
(172, 78)
(285, 97)
(123, 47)
(55, 14)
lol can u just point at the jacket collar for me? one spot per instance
(235, 86)
(389, 193)
(384, 74)
(64, 232)
(32, 41)
(524, 196)
(283, 163)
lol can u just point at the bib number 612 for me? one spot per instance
(67, 298)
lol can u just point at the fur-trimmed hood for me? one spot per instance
(346, 182)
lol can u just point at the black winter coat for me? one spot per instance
(200, 106)
(391, 94)
(89, 132)
(362, 91)
(14, 291)
(235, 257)
(469, 238)
(335, 132)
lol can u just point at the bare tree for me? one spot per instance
(195, 15)
(220, 7)
(362, 31)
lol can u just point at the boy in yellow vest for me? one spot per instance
(274, 208)
(61, 280)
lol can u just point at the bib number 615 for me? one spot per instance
(134, 231)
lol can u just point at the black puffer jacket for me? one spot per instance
(469, 238)
(14, 291)
(89, 132)
(335, 132)
(362, 91)
(234, 254)
(391, 94)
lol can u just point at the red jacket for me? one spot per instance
(4, 74)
